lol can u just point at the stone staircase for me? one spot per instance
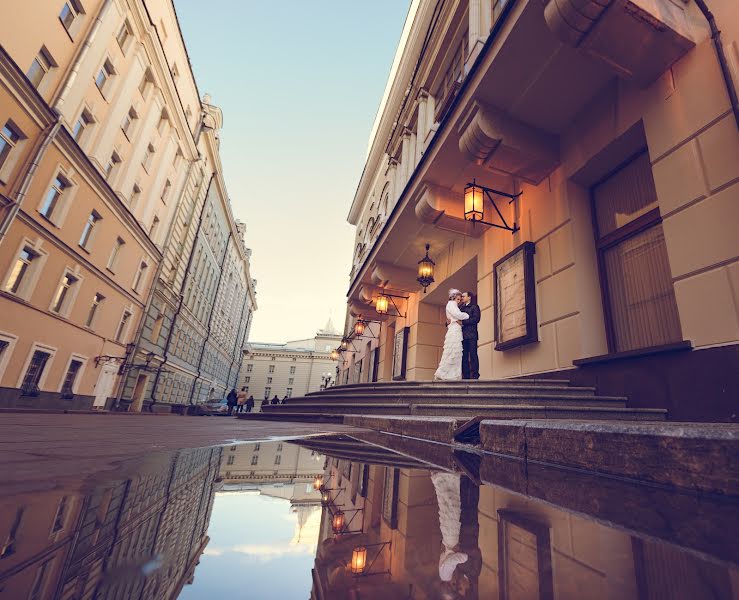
(491, 399)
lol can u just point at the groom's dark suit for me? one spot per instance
(470, 362)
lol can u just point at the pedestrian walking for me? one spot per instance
(249, 403)
(231, 400)
(241, 400)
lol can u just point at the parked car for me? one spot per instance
(215, 407)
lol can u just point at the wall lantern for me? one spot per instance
(335, 354)
(317, 483)
(359, 327)
(382, 304)
(338, 522)
(344, 344)
(359, 560)
(474, 205)
(426, 270)
(325, 497)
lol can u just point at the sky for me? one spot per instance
(299, 84)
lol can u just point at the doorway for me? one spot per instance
(104, 385)
(137, 400)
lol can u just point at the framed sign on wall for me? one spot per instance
(390, 497)
(400, 353)
(375, 364)
(514, 289)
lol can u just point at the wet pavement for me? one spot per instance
(126, 507)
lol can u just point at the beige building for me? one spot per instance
(100, 148)
(291, 369)
(576, 166)
(272, 462)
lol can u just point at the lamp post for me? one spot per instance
(426, 270)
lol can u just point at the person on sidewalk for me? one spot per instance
(249, 403)
(241, 400)
(275, 400)
(231, 401)
(470, 361)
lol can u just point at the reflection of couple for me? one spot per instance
(459, 358)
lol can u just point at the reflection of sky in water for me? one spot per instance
(257, 549)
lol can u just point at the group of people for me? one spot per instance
(459, 358)
(238, 402)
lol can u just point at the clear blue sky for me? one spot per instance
(299, 84)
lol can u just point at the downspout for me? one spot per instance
(236, 342)
(243, 341)
(210, 317)
(723, 63)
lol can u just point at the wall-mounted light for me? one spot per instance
(338, 522)
(474, 205)
(359, 560)
(325, 497)
(344, 344)
(359, 327)
(382, 304)
(317, 483)
(335, 354)
(426, 270)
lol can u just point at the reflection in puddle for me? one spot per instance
(393, 519)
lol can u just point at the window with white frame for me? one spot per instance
(163, 121)
(249, 368)
(34, 372)
(6, 347)
(113, 163)
(148, 157)
(60, 518)
(278, 459)
(129, 122)
(115, 253)
(53, 197)
(154, 227)
(120, 331)
(70, 378)
(292, 370)
(267, 392)
(269, 380)
(255, 459)
(82, 125)
(289, 392)
(145, 81)
(291, 381)
(140, 276)
(40, 67)
(271, 369)
(21, 272)
(103, 80)
(88, 231)
(64, 293)
(10, 135)
(124, 37)
(97, 300)
(166, 190)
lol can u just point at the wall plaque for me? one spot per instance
(400, 353)
(515, 298)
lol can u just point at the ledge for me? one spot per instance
(613, 356)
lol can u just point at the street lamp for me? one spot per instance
(426, 270)
(474, 209)
(382, 304)
(359, 327)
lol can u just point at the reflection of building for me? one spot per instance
(85, 545)
(270, 462)
(615, 128)
(291, 369)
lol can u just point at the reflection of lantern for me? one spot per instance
(325, 497)
(359, 560)
(382, 304)
(334, 354)
(317, 483)
(359, 327)
(337, 523)
(473, 202)
(344, 344)
(426, 270)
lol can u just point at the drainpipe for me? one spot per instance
(236, 343)
(723, 63)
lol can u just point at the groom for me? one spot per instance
(470, 362)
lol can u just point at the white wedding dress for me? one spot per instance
(450, 367)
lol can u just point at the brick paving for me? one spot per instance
(44, 451)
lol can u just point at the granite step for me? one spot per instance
(443, 389)
(461, 382)
(285, 415)
(588, 413)
(450, 399)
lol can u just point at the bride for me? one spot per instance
(450, 367)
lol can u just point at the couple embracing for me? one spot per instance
(459, 359)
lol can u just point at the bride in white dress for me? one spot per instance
(450, 367)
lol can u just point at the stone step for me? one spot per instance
(461, 382)
(285, 415)
(353, 408)
(442, 389)
(455, 399)
(542, 412)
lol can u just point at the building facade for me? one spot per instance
(584, 188)
(104, 142)
(291, 369)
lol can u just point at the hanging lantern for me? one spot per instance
(334, 354)
(344, 344)
(426, 270)
(325, 497)
(317, 483)
(337, 523)
(359, 560)
(382, 304)
(359, 327)
(474, 199)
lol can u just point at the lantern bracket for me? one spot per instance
(367, 330)
(392, 298)
(380, 546)
(345, 529)
(489, 192)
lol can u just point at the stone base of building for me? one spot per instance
(14, 398)
(693, 385)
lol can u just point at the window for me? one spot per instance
(115, 253)
(163, 121)
(140, 276)
(8, 548)
(269, 380)
(145, 81)
(70, 377)
(124, 35)
(61, 515)
(154, 226)
(71, 10)
(257, 446)
(177, 157)
(271, 368)
(267, 392)
(40, 67)
(88, 229)
(166, 190)
(20, 270)
(9, 137)
(35, 370)
(62, 292)
(639, 296)
(289, 392)
(97, 300)
(279, 447)
(291, 381)
(129, 120)
(113, 163)
(156, 328)
(230, 460)
(122, 326)
(135, 195)
(255, 459)
(175, 73)
(292, 370)
(39, 582)
(148, 157)
(278, 459)
(249, 368)
(104, 76)
(53, 196)
(247, 379)
(83, 124)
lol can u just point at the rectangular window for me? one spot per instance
(230, 460)
(61, 515)
(39, 582)
(249, 368)
(124, 34)
(166, 190)
(278, 459)
(267, 392)
(140, 276)
(148, 157)
(70, 378)
(20, 270)
(255, 459)
(62, 292)
(291, 381)
(9, 137)
(113, 163)
(82, 125)
(269, 380)
(104, 76)
(247, 379)
(156, 329)
(154, 226)
(128, 122)
(271, 368)
(292, 370)
(53, 196)
(88, 229)
(40, 67)
(35, 370)
(115, 253)
(97, 300)
(639, 297)
(289, 392)
(122, 326)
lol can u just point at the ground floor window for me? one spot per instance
(35, 370)
(70, 378)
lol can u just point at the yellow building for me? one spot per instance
(575, 166)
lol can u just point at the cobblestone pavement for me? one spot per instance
(44, 451)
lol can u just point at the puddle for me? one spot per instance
(393, 519)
